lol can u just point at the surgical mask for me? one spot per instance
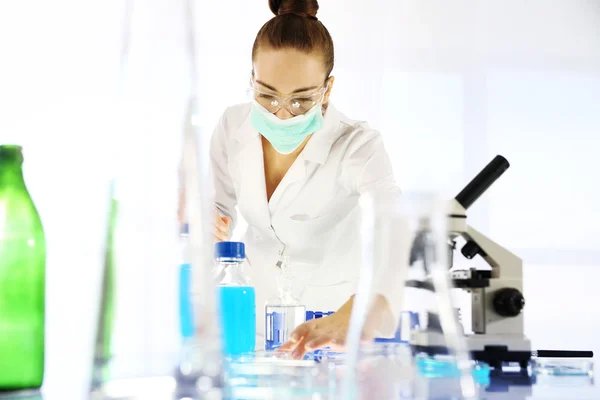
(286, 135)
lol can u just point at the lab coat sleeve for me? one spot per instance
(223, 191)
(371, 173)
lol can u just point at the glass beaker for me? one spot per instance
(283, 312)
(407, 235)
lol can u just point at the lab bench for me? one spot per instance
(263, 376)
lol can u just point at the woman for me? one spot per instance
(296, 167)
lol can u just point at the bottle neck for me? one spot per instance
(233, 267)
(285, 285)
(234, 274)
(11, 173)
(11, 160)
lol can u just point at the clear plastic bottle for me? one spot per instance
(237, 300)
(186, 322)
(284, 312)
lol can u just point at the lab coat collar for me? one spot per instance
(246, 133)
(318, 147)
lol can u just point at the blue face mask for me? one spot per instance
(286, 135)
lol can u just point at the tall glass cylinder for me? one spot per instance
(140, 349)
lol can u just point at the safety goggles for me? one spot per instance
(296, 105)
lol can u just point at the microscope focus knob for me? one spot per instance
(470, 250)
(509, 302)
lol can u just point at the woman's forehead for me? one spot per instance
(286, 71)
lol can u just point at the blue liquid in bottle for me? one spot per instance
(238, 319)
(237, 300)
(185, 304)
(186, 321)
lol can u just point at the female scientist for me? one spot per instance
(295, 167)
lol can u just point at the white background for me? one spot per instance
(449, 84)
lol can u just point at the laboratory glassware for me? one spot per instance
(139, 351)
(401, 235)
(139, 346)
(237, 300)
(22, 278)
(283, 312)
(186, 319)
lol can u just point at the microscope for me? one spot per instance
(496, 294)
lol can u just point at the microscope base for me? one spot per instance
(492, 349)
(496, 350)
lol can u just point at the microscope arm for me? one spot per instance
(505, 265)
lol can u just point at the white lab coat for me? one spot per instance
(313, 215)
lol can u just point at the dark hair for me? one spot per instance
(295, 26)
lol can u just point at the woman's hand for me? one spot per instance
(221, 228)
(331, 331)
(328, 331)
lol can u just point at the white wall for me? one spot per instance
(449, 84)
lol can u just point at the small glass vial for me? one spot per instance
(284, 312)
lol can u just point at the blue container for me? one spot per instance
(238, 319)
(409, 320)
(186, 320)
(237, 300)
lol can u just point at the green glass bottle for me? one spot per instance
(22, 278)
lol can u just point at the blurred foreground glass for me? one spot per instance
(406, 236)
(273, 375)
(139, 350)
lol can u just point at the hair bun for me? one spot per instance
(303, 8)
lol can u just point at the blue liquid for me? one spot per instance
(443, 368)
(238, 319)
(186, 321)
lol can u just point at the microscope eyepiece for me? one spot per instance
(482, 181)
